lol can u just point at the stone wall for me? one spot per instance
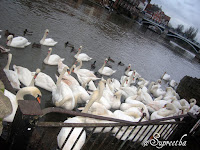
(189, 88)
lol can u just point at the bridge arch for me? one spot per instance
(171, 35)
(147, 22)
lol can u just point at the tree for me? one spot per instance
(180, 28)
(191, 33)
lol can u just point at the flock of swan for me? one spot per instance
(126, 99)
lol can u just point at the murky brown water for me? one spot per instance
(100, 33)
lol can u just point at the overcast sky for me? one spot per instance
(185, 12)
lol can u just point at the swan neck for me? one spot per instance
(97, 94)
(9, 42)
(60, 78)
(127, 71)
(32, 81)
(49, 53)
(118, 96)
(130, 79)
(108, 84)
(79, 51)
(150, 87)
(76, 97)
(103, 66)
(122, 84)
(20, 94)
(71, 69)
(165, 113)
(80, 65)
(168, 112)
(8, 63)
(44, 37)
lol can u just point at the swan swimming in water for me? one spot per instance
(18, 42)
(128, 72)
(165, 76)
(82, 56)
(169, 110)
(11, 75)
(106, 70)
(62, 95)
(52, 59)
(47, 41)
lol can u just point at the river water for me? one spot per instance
(101, 34)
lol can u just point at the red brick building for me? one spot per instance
(155, 13)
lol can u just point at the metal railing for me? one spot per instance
(30, 131)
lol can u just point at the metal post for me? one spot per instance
(23, 124)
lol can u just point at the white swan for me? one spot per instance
(115, 100)
(99, 109)
(89, 85)
(170, 92)
(168, 111)
(67, 78)
(61, 66)
(20, 96)
(84, 72)
(115, 84)
(34, 77)
(128, 90)
(64, 132)
(142, 82)
(173, 83)
(185, 104)
(11, 75)
(194, 109)
(84, 75)
(52, 59)
(128, 80)
(18, 42)
(80, 94)
(128, 72)
(43, 80)
(157, 91)
(25, 75)
(165, 76)
(47, 41)
(106, 70)
(156, 105)
(62, 95)
(82, 56)
(130, 102)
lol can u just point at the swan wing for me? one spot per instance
(19, 42)
(24, 74)
(49, 42)
(14, 103)
(83, 57)
(64, 132)
(107, 71)
(45, 81)
(54, 59)
(13, 78)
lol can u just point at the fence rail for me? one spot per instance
(30, 130)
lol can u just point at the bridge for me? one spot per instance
(169, 33)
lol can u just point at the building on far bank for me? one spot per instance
(156, 14)
(131, 8)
